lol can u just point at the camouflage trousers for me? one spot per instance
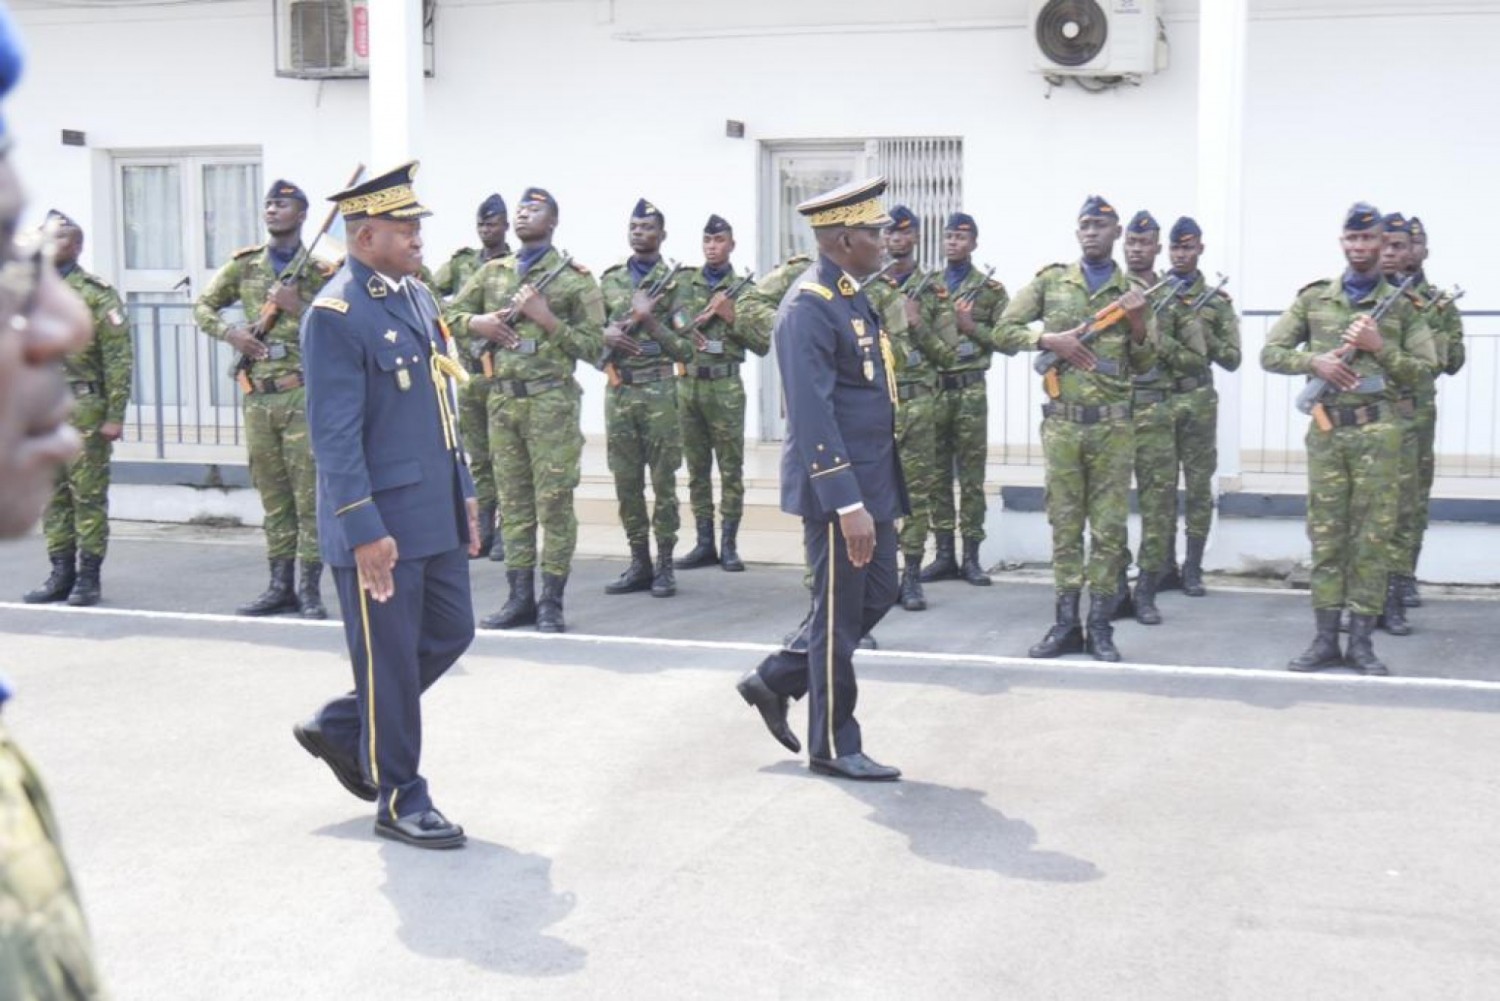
(713, 424)
(45, 952)
(474, 423)
(1155, 482)
(1088, 484)
(644, 433)
(1417, 465)
(961, 430)
(1352, 507)
(1195, 419)
(537, 445)
(916, 445)
(281, 467)
(77, 517)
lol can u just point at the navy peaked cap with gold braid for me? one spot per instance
(854, 204)
(386, 196)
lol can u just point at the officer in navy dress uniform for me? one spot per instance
(397, 519)
(840, 474)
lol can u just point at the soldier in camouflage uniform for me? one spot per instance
(474, 398)
(1447, 326)
(281, 462)
(77, 519)
(962, 406)
(640, 406)
(722, 324)
(917, 313)
(45, 948)
(1087, 433)
(1189, 344)
(536, 439)
(1354, 465)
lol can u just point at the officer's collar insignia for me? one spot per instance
(376, 287)
(391, 335)
(847, 286)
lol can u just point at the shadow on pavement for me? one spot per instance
(957, 828)
(484, 903)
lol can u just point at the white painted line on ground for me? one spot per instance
(934, 657)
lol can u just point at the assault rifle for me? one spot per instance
(876, 276)
(969, 295)
(484, 350)
(1048, 362)
(269, 311)
(629, 326)
(1318, 389)
(695, 329)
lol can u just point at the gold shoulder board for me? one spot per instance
(327, 302)
(822, 290)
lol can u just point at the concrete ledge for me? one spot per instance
(181, 474)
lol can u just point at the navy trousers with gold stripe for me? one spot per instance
(819, 661)
(398, 648)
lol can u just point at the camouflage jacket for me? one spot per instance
(249, 279)
(774, 285)
(574, 298)
(751, 330)
(990, 300)
(617, 288)
(1446, 324)
(919, 352)
(455, 271)
(1060, 299)
(1315, 324)
(1188, 344)
(109, 360)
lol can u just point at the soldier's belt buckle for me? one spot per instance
(276, 352)
(713, 347)
(650, 349)
(526, 346)
(1106, 367)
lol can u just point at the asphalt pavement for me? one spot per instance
(1196, 823)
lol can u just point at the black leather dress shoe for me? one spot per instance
(346, 770)
(429, 829)
(754, 690)
(855, 766)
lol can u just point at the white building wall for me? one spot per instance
(1342, 104)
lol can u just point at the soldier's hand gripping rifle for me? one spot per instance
(1318, 389)
(291, 276)
(484, 350)
(695, 329)
(1048, 363)
(628, 325)
(969, 295)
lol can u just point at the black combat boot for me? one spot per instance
(703, 554)
(310, 592)
(1066, 636)
(549, 608)
(664, 582)
(637, 576)
(1409, 596)
(59, 582)
(1124, 604)
(486, 531)
(1361, 653)
(1393, 619)
(971, 571)
(943, 565)
(86, 588)
(1192, 568)
(280, 596)
(497, 551)
(729, 547)
(1324, 651)
(1145, 599)
(1170, 579)
(912, 598)
(520, 607)
(1101, 631)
